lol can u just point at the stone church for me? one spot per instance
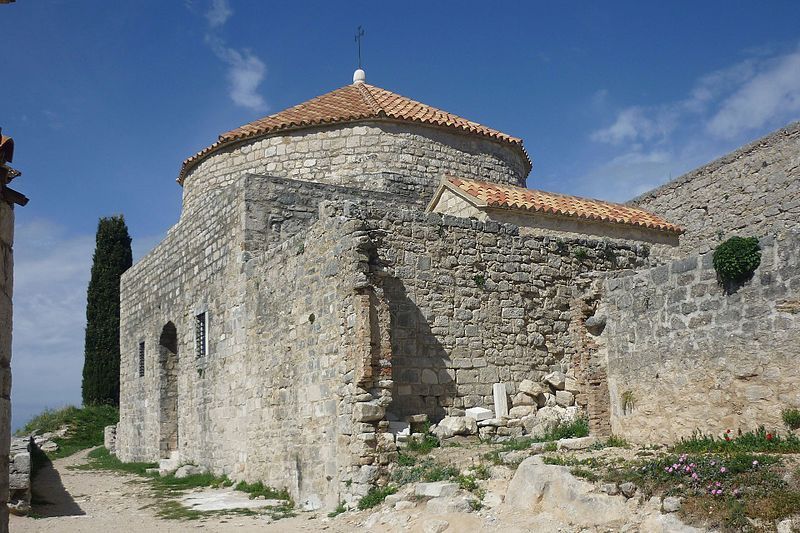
(346, 265)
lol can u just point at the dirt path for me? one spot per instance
(100, 501)
(83, 501)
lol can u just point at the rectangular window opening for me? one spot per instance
(141, 359)
(201, 334)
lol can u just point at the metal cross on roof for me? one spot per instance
(359, 35)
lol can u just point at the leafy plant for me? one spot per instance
(480, 280)
(341, 508)
(580, 253)
(628, 402)
(791, 417)
(422, 446)
(736, 259)
(259, 489)
(760, 440)
(375, 496)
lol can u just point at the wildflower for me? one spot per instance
(723, 470)
(695, 476)
(769, 436)
(718, 484)
(713, 463)
(755, 463)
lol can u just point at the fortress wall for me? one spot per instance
(689, 356)
(6, 290)
(398, 158)
(753, 191)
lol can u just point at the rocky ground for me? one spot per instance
(520, 493)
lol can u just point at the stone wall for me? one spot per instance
(753, 191)
(6, 284)
(474, 303)
(684, 354)
(196, 269)
(398, 158)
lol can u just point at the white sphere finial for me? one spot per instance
(359, 76)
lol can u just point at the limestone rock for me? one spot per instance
(578, 443)
(610, 488)
(492, 499)
(456, 504)
(671, 504)
(540, 488)
(436, 489)
(521, 411)
(189, 470)
(628, 489)
(455, 425)
(435, 525)
(478, 413)
(557, 380)
(522, 399)
(367, 412)
(532, 388)
(564, 398)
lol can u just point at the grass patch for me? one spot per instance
(375, 496)
(723, 491)
(341, 508)
(422, 446)
(791, 417)
(101, 459)
(759, 440)
(426, 470)
(85, 426)
(174, 486)
(259, 489)
(406, 460)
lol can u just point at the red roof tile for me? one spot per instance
(531, 200)
(358, 101)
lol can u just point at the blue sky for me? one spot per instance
(105, 99)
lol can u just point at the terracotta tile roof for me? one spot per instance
(531, 200)
(355, 102)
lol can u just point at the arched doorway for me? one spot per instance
(168, 384)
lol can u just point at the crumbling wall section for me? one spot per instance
(319, 378)
(684, 354)
(753, 191)
(475, 303)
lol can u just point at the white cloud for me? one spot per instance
(246, 71)
(219, 13)
(768, 97)
(634, 124)
(51, 275)
(644, 146)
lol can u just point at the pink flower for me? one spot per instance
(755, 463)
(695, 476)
(723, 470)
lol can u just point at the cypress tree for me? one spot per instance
(112, 257)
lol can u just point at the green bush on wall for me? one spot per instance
(737, 258)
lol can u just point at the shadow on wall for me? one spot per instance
(420, 363)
